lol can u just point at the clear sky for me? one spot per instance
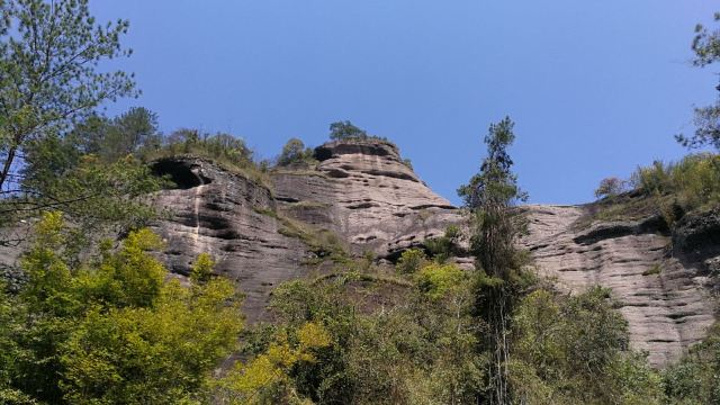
(595, 87)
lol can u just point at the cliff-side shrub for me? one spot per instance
(446, 246)
(112, 329)
(294, 151)
(610, 187)
(411, 261)
(694, 181)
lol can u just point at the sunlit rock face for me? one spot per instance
(665, 297)
(226, 215)
(366, 194)
(361, 192)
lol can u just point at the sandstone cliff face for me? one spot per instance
(665, 299)
(362, 192)
(226, 215)
(366, 194)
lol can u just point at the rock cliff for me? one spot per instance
(664, 297)
(366, 194)
(360, 193)
(361, 197)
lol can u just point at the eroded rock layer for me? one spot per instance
(228, 216)
(665, 300)
(366, 194)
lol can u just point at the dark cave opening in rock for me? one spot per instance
(184, 174)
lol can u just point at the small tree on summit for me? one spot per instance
(343, 130)
(610, 187)
(294, 151)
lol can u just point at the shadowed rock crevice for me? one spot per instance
(183, 173)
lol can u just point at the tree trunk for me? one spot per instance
(6, 167)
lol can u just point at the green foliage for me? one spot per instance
(134, 132)
(267, 378)
(490, 196)
(94, 194)
(223, 147)
(436, 280)
(158, 354)
(294, 151)
(345, 130)
(111, 329)
(446, 246)
(570, 350)
(706, 46)
(225, 150)
(202, 270)
(49, 77)
(694, 181)
(696, 378)
(610, 187)
(410, 261)
(418, 352)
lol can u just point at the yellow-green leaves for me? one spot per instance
(437, 280)
(410, 261)
(112, 330)
(203, 268)
(266, 377)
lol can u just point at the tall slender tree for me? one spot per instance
(491, 195)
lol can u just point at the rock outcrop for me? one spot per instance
(664, 299)
(365, 197)
(361, 192)
(229, 216)
(366, 194)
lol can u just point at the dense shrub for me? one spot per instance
(410, 261)
(446, 246)
(344, 130)
(696, 378)
(294, 151)
(694, 181)
(112, 329)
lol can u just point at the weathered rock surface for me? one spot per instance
(366, 194)
(362, 192)
(226, 215)
(665, 301)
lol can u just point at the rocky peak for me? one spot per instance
(363, 191)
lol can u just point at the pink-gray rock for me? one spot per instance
(664, 300)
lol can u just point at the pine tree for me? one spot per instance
(491, 195)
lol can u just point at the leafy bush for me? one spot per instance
(294, 151)
(446, 246)
(112, 329)
(436, 280)
(696, 378)
(344, 130)
(694, 181)
(575, 350)
(610, 187)
(410, 261)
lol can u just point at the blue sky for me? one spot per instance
(595, 87)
